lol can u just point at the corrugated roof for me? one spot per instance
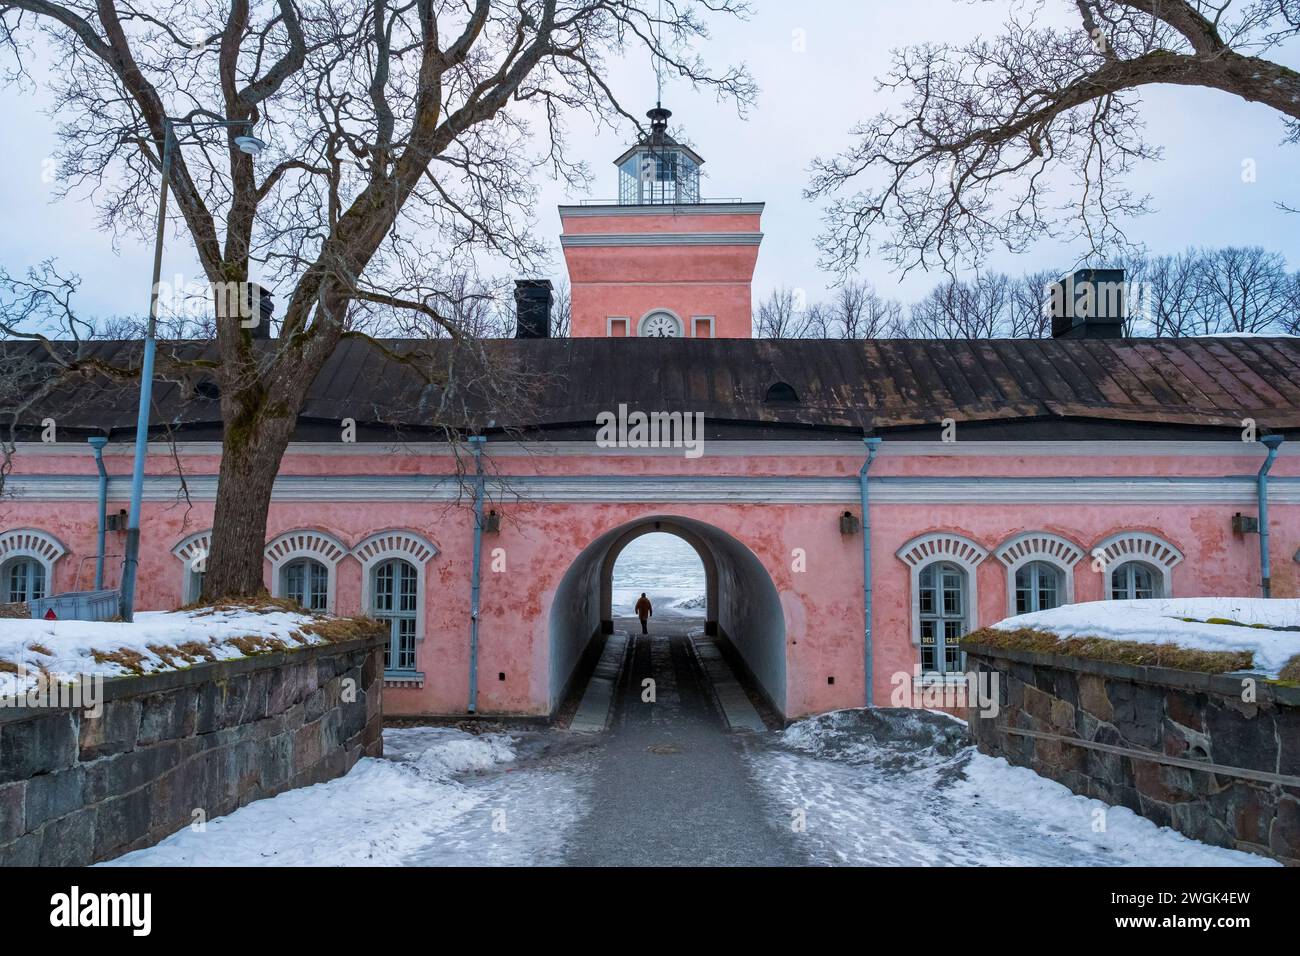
(873, 384)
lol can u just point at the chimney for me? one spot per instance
(1091, 304)
(533, 308)
(265, 309)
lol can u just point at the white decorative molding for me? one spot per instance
(385, 545)
(1039, 546)
(580, 239)
(31, 543)
(40, 546)
(950, 548)
(1142, 546)
(305, 543)
(1235, 491)
(1061, 553)
(609, 328)
(663, 209)
(942, 546)
(193, 554)
(395, 543)
(1138, 546)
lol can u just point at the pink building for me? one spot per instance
(1009, 475)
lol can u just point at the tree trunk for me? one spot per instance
(250, 460)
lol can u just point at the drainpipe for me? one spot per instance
(1261, 489)
(873, 445)
(476, 445)
(97, 442)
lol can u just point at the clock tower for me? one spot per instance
(661, 260)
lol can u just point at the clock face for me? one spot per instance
(661, 325)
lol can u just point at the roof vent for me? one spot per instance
(781, 393)
(1091, 304)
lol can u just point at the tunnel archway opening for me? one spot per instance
(742, 606)
(670, 573)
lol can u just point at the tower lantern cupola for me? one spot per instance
(659, 170)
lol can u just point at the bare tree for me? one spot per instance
(1244, 290)
(782, 316)
(958, 309)
(858, 311)
(399, 136)
(987, 131)
(562, 311)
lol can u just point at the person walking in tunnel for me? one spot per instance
(644, 610)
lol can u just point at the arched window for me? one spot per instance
(23, 580)
(1135, 581)
(304, 567)
(1139, 565)
(1039, 587)
(27, 559)
(193, 554)
(395, 600)
(944, 599)
(392, 590)
(306, 581)
(943, 616)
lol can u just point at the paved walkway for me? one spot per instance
(670, 786)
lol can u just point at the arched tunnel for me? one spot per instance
(742, 605)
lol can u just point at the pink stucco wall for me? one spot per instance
(687, 279)
(540, 539)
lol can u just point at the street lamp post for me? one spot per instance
(252, 146)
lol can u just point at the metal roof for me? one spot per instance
(560, 385)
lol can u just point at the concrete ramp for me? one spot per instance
(597, 704)
(736, 707)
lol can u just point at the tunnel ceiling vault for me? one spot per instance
(744, 608)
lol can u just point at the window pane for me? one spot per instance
(1119, 583)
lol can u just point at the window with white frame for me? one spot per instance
(1135, 581)
(943, 616)
(27, 559)
(395, 600)
(306, 581)
(193, 555)
(1138, 565)
(944, 598)
(23, 580)
(1039, 587)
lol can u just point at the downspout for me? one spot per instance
(1261, 489)
(476, 445)
(873, 445)
(97, 442)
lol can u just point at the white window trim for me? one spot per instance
(306, 543)
(681, 324)
(39, 546)
(943, 546)
(1140, 546)
(193, 555)
(609, 326)
(712, 320)
(407, 545)
(1062, 553)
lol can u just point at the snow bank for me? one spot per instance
(379, 814)
(66, 649)
(1161, 621)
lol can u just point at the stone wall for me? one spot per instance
(1222, 769)
(76, 789)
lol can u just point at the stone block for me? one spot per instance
(40, 745)
(1093, 699)
(52, 795)
(13, 816)
(115, 730)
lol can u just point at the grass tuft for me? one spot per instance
(1117, 652)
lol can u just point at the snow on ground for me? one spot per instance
(905, 788)
(439, 796)
(1160, 621)
(65, 649)
(667, 569)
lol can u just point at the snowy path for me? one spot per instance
(666, 785)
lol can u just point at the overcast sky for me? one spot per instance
(808, 99)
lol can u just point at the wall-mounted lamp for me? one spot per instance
(1245, 524)
(849, 523)
(492, 522)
